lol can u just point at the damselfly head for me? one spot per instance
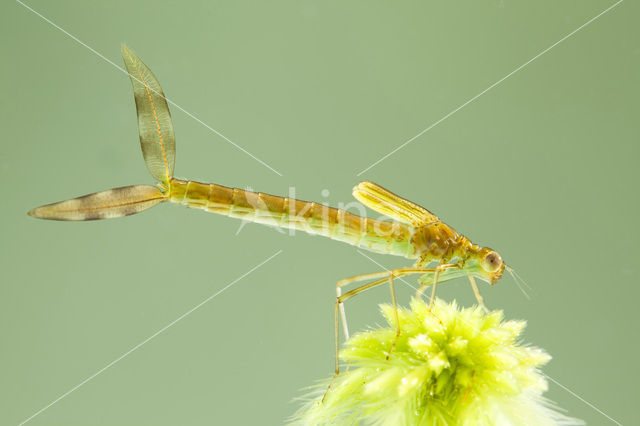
(491, 262)
(492, 265)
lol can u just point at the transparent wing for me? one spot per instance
(155, 126)
(385, 202)
(107, 204)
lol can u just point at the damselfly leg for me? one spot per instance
(479, 298)
(434, 282)
(379, 278)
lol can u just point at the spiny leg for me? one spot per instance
(433, 289)
(347, 281)
(420, 290)
(440, 267)
(477, 293)
(395, 311)
(337, 354)
(397, 272)
(338, 307)
(340, 299)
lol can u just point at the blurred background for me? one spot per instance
(543, 168)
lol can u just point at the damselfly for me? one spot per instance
(440, 253)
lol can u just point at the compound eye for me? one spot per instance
(492, 262)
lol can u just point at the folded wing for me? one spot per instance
(385, 202)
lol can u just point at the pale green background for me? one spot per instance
(543, 168)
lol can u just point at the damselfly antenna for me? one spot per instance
(517, 279)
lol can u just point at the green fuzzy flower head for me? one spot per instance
(450, 366)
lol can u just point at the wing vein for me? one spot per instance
(155, 116)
